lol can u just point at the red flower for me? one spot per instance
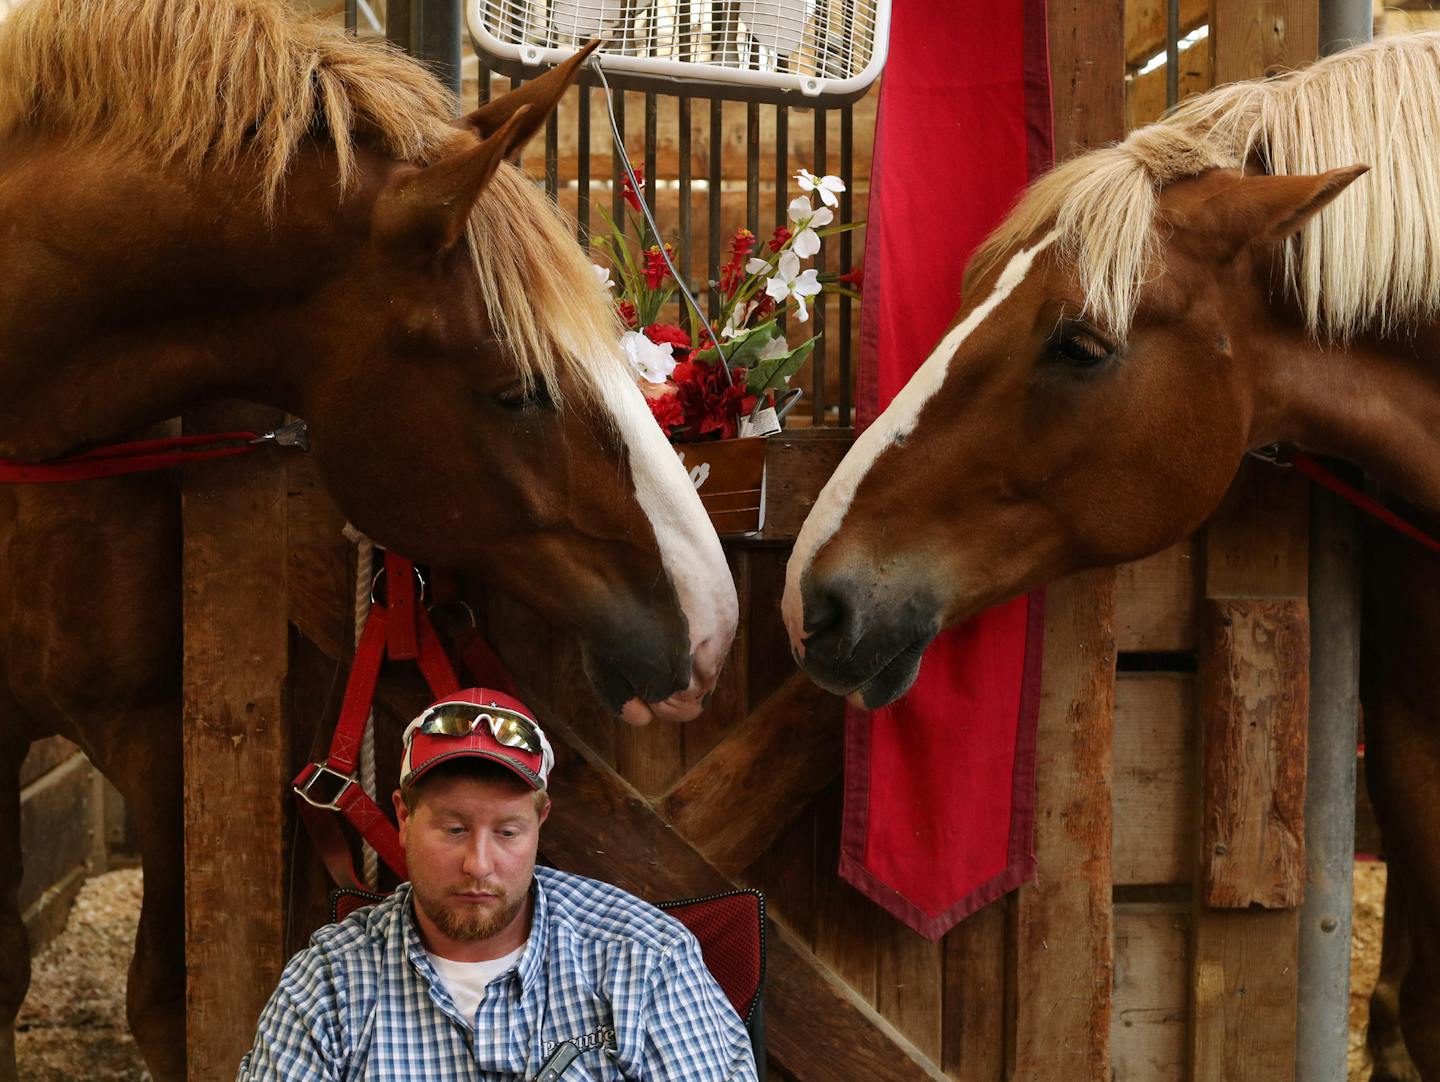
(712, 407)
(763, 308)
(627, 313)
(656, 269)
(733, 273)
(778, 241)
(632, 196)
(668, 411)
(856, 277)
(661, 333)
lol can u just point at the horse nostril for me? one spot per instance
(827, 617)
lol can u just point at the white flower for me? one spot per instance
(806, 241)
(755, 266)
(602, 275)
(827, 186)
(774, 349)
(787, 281)
(652, 361)
(738, 315)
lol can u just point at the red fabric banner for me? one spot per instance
(940, 785)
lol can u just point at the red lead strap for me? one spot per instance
(1275, 456)
(140, 456)
(332, 785)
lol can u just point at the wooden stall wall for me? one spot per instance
(62, 833)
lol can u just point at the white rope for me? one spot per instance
(364, 573)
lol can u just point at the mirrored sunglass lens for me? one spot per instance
(514, 733)
(456, 720)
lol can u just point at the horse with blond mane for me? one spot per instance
(1262, 266)
(208, 198)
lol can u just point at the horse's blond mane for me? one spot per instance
(198, 83)
(1369, 261)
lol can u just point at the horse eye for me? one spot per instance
(1076, 347)
(520, 398)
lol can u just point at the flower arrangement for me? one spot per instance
(681, 370)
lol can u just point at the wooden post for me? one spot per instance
(1064, 928)
(1243, 980)
(236, 658)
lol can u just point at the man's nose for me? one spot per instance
(479, 858)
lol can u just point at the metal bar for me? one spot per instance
(1323, 987)
(782, 173)
(1323, 982)
(435, 38)
(483, 94)
(817, 358)
(686, 183)
(752, 167)
(351, 17)
(713, 259)
(617, 170)
(1172, 53)
(847, 257)
(652, 183)
(582, 168)
(552, 154)
(1343, 23)
(518, 158)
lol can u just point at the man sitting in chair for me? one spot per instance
(484, 966)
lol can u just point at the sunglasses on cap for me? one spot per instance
(512, 729)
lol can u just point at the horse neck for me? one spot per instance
(1375, 403)
(134, 292)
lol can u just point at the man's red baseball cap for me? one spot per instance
(481, 723)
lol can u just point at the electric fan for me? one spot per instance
(811, 53)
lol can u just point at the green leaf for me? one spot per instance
(745, 348)
(843, 227)
(764, 375)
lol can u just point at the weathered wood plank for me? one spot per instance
(1155, 601)
(846, 922)
(1262, 37)
(57, 827)
(974, 1022)
(910, 984)
(733, 803)
(1254, 680)
(1155, 778)
(1243, 994)
(44, 756)
(1149, 1027)
(1065, 939)
(236, 653)
(797, 464)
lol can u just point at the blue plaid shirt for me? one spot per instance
(621, 979)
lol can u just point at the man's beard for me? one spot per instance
(470, 923)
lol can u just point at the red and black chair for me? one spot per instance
(729, 926)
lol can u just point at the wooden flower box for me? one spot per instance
(730, 477)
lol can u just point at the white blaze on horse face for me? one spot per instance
(896, 422)
(689, 548)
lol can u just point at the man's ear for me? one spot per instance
(1268, 209)
(402, 812)
(545, 812)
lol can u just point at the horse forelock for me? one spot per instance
(1370, 261)
(198, 83)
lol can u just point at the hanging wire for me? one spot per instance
(650, 221)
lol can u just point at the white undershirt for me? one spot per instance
(466, 981)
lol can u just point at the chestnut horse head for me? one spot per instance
(209, 197)
(1148, 313)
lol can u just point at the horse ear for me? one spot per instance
(431, 205)
(1267, 209)
(542, 95)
